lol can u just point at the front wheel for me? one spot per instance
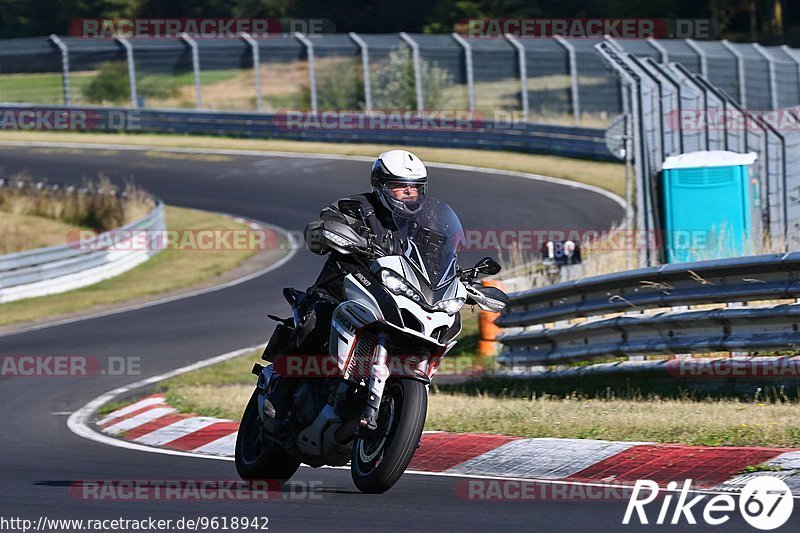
(256, 457)
(380, 457)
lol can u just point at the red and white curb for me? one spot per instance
(151, 422)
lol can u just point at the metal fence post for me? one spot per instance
(256, 68)
(365, 64)
(659, 149)
(773, 87)
(632, 82)
(739, 70)
(64, 66)
(468, 61)
(523, 73)
(660, 49)
(573, 72)
(701, 54)
(198, 93)
(417, 69)
(791, 52)
(312, 78)
(662, 71)
(131, 70)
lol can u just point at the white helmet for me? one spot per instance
(399, 168)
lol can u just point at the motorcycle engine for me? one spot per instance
(308, 400)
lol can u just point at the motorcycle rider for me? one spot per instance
(399, 183)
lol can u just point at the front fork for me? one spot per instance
(378, 375)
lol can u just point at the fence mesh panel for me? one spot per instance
(670, 110)
(31, 71)
(723, 70)
(549, 82)
(98, 72)
(793, 186)
(226, 74)
(164, 73)
(598, 88)
(639, 48)
(444, 63)
(284, 74)
(496, 73)
(756, 77)
(786, 77)
(391, 72)
(680, 52)
(339, 73)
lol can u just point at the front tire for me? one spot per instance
(256, 457)
(380, 457)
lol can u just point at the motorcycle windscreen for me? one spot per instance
(433, 237)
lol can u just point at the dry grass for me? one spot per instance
(609, 176)
(223, 390)
(168, 270)
(97, 205)
(23, 232)
(708, 423)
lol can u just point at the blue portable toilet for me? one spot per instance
(708, 205)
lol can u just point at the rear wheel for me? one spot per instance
(380, 457)
(258, 458)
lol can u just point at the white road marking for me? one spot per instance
(147, 402)
(179, 429)
(542, 458)
(138, 420)
(79, 422)
(222, 446)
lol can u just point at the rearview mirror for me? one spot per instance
(489, 266)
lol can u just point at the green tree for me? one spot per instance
(110, 84)
(395, 83)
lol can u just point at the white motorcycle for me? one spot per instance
(387, 340)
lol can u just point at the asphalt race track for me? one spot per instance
(39, 456)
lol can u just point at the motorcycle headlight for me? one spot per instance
(450, 307)
(397, 285)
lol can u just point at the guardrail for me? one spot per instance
(55, 269)
(567, 141)
(537, 332)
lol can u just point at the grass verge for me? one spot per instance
(168, 270)
(26, 232)
(609, 176)
(222, 390)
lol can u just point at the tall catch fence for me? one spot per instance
(506, 84)
(547, 80)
